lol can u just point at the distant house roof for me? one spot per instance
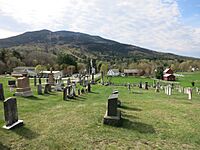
(167, 70)
(131, 71)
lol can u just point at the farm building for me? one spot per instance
(21, 71)
(168, 75)
(134, 72)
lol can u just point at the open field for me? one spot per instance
(150, 121)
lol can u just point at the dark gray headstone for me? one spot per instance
(35, 81)
(140, 85)
(89, 87)
(65, 94)
(12, 83)
(40, 82)
(46, 89)
(146, 86)
(10, 112)
(79, 92)
(39, 89)
(2, 98)
(112, 105)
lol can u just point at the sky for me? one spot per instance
(171, 26)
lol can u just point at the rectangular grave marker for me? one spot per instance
(11, 114)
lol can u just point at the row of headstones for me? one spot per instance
(168, 91)
(113, 114)
(69, 92)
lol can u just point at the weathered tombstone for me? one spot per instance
(79, 92)
(23, 87)
(46, 89)
(10, 113)
(193, 83)
(35, 81)
(12, 83)
(51, 78)
(146, 86)
(129, 86)
(40, 81)
(73, 89)
(190, 94)
(140, 85)
(89, 87)
(82, 91)
(2, 98)
(69, 92)
(65, 94)
(39, 89)
(113, 115)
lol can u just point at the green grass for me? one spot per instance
(150, 121)
(188, 78)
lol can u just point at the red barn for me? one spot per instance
(168, 75)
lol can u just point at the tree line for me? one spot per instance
(70, 63)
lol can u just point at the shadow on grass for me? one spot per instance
(138, 126)
(33, 98)
(3, 147)
(26, 133)
(130, 108)
(124, 115)
(137, 92)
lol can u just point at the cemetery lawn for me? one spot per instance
(150, 121)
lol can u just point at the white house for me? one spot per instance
(113, 72)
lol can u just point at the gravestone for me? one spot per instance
(35, 81)
(189, 93)
(39, 89)
(23, 87)
(50, 78)
(40, 81)
(79, 92)
(140, 85)
(73, 89)
(12, 83)
(11, 114)
(2, 98)
(146, 86)
(113, 115)
(47, 88)
(89, 87)
(129, 86)
(69, 92)
(65, 94)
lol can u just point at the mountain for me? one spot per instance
(81, 45)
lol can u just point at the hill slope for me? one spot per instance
(81, 45)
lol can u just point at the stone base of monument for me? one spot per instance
(113, 120)
(24, 94)
(18, 123)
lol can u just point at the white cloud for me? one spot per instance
(154, 24)
(7, 33)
